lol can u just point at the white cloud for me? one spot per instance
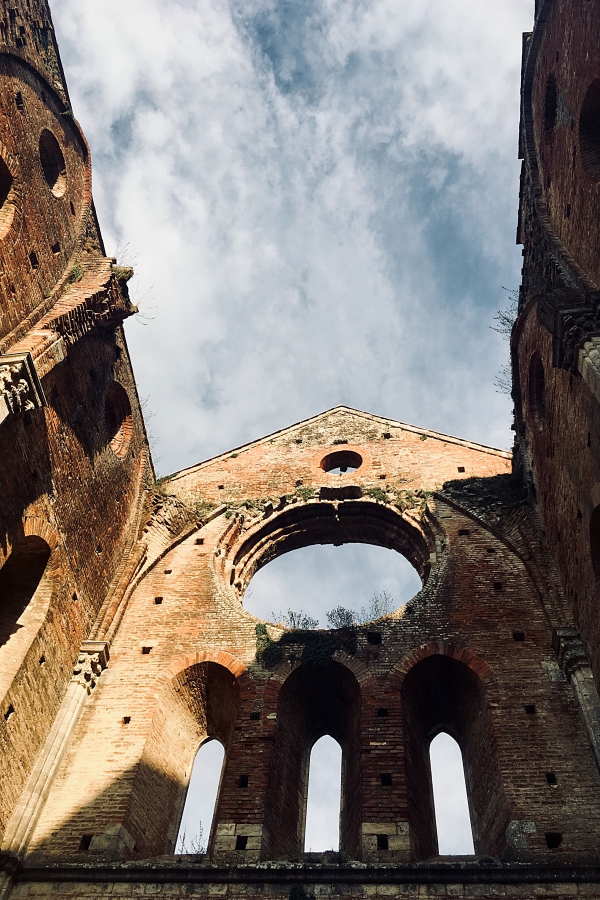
(322, 197)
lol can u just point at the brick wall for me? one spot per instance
(480, 592)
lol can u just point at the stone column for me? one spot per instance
(571, 654)
(93, 659)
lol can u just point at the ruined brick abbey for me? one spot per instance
(124, 643)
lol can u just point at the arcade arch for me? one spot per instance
(26, 586)
(199, 703)
(315, 700)
(444, 694)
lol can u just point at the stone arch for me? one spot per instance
(28, 580)
(314, 700)
(323, 522)
(197, 700)
(445, 688)
(283, 671)
(446, 648)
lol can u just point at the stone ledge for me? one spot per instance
(201, 872)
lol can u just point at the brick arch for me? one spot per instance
(38, 527)
(312, 701)
(283, 671)
(196, 699)
(446, 688)
(29, 577)
(234, 665)
(443, 648)
(362, 521)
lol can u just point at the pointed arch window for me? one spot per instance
(324, 796)
(201, 798)
(452, 817)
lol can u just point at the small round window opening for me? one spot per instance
(341, 462)
(118, 419)
(589, 130)
(53, 163)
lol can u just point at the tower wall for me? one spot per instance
(72, 441)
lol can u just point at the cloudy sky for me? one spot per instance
(320, 201)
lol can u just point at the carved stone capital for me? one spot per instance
(577, 328)
(20, 387)
(93, 659)
(570, 651)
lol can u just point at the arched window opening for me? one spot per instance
(324, 796)
(443, 694)
(361, 579)
(118, 419)
(537, 390)
(316, 699)
(341, 462)
(201, 798)
(20, 577)
(197, 708)
(550, 107)
(453, 821)
(26, 585)
(595, 541)
(589, 130)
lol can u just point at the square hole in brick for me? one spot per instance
(383, 711)
(9, 712)
(255, 716)
(146, 650)
(530, 709)
(168, 571)
(383, 477)
(374, 637)
(386, 435)
(386, 779)
(382, 842)
(497, 585)
(518, 635)
(221, 487)
(199, 542)
(55, 248)
(491, 549)
(243, 781)
(464, 531)
(461, 468)
(241, 841)
(158, 600)
(33, 260)
(85, 842)
(553, 840)
(126, 720)
(551, 778)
